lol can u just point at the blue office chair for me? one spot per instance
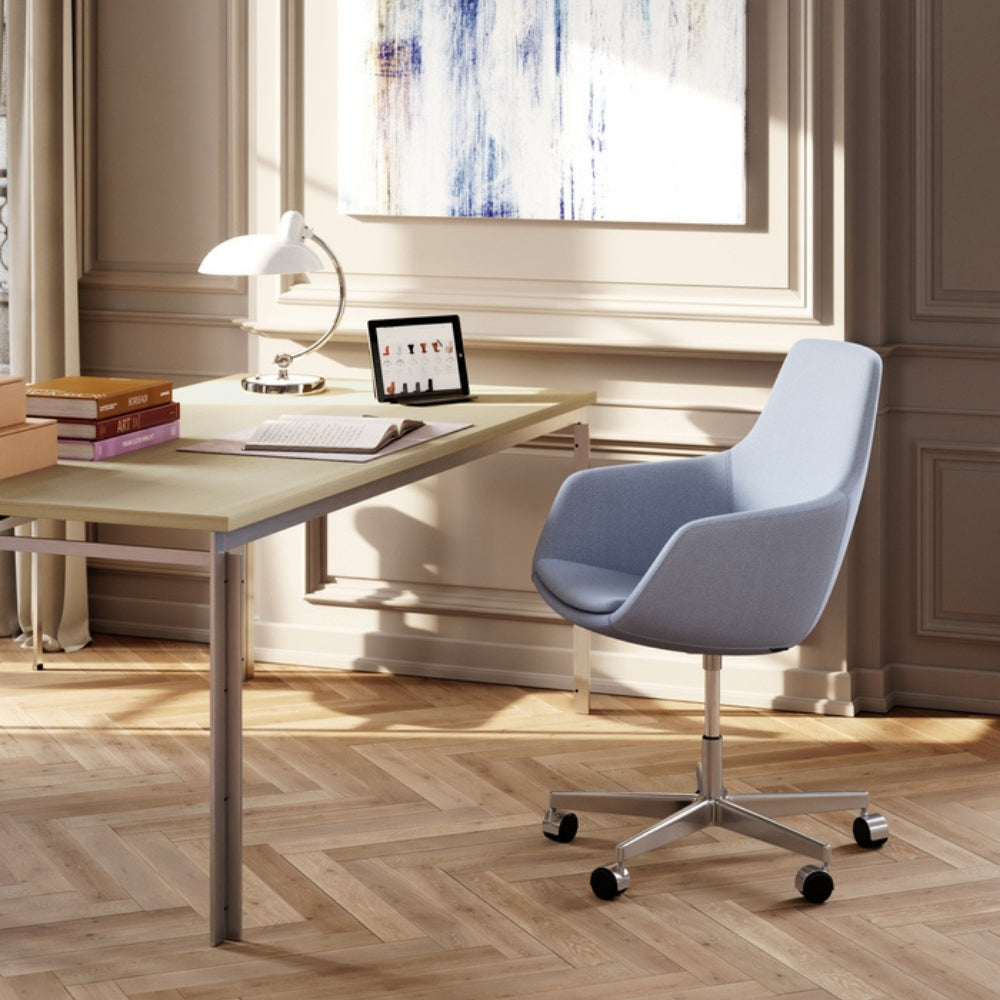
(732, 553)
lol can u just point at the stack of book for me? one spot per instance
(26, 443)
(100, 417)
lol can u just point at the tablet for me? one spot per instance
(418, 360)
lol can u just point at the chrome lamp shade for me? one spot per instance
(282, 252)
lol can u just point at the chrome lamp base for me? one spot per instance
(284, 382)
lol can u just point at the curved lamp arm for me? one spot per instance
(284, 359)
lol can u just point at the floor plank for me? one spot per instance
(393, 844)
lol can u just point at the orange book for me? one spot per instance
(27, 446)
(93, 397)
(12, 400)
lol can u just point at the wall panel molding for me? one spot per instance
(936, 295)
(329, 582)
(118, 187)
(185, 347)
(958, 549)
(425, 598)
(637, 285)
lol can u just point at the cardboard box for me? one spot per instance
(12, 400)
(27, 446)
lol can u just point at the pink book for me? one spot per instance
(92, 451)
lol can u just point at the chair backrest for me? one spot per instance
(745, 584)
(814, 434)
(754, 536)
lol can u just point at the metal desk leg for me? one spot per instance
(581, 637)
(581, 447)
(226, 746)
(581, 671)
(37, 662)
(249, 585)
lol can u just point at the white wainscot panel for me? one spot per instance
(434, 580)
(469, 533)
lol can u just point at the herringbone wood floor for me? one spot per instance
(393, 844)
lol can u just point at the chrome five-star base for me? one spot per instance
(710, 805)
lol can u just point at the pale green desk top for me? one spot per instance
(165, 487)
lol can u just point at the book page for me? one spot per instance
(323, 433)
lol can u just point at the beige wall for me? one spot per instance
(204, 118)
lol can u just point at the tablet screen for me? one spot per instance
(419, 359)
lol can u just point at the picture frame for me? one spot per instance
(418, 360)
(528, 110)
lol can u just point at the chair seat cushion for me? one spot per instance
(592, 589)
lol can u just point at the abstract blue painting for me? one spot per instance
(596, 110)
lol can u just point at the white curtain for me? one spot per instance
(44, 270)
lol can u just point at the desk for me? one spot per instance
(238, 499)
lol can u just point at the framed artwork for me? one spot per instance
(419, 360)
(597, 110)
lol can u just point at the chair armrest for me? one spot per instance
(745, 582)
(620, 517)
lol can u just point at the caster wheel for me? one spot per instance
(814, 883)
(871, 830)
(607, 883)
(560, 826)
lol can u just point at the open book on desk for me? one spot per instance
(322, 433)
(232, 444)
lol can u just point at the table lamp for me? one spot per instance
(283, 252)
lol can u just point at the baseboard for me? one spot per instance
(912, 685)
(538, 656)
(104, 626)
(750, 682)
